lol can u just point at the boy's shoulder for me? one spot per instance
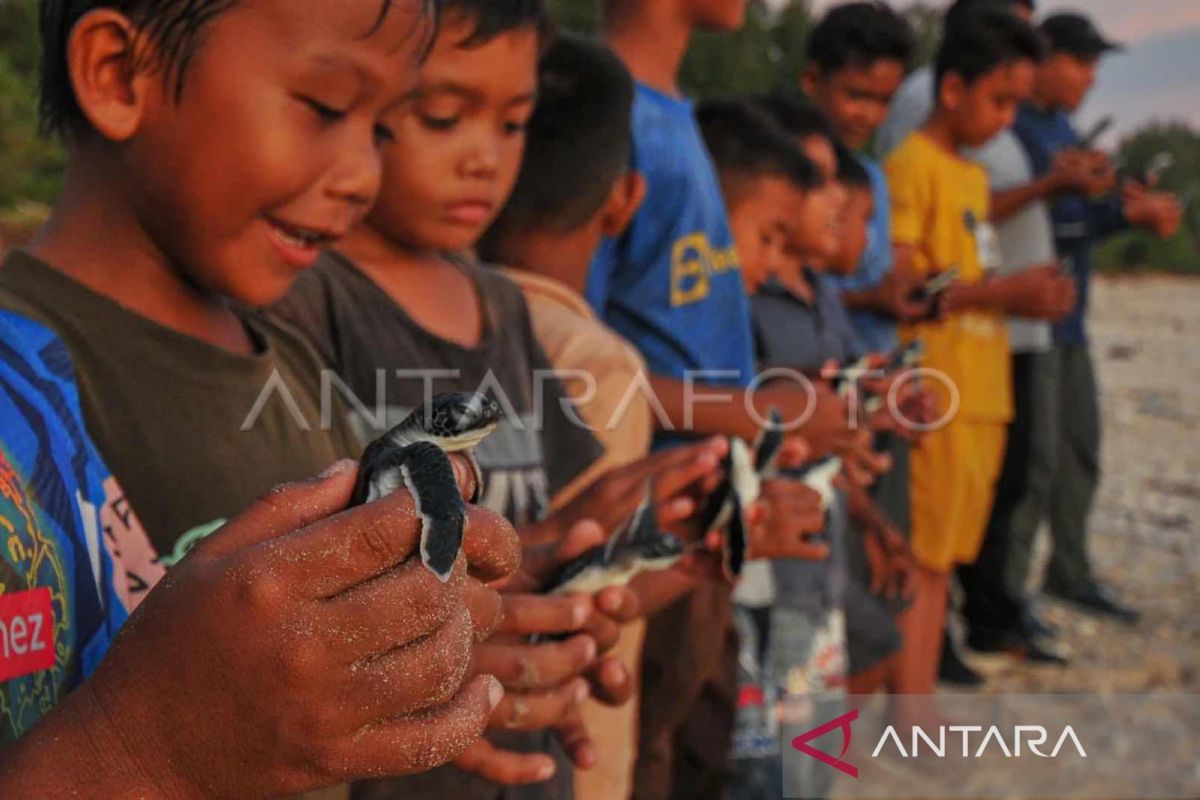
(567, 328)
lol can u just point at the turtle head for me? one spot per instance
(461, 420)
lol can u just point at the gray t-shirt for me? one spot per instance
(792, 333)
(1026, 238)
(909, 109)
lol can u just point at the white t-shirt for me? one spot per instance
(1026, 238)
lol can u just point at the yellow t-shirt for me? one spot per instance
(940, 207)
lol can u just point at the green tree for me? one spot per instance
(30, 165)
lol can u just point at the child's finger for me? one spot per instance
(504, 767)
(529, 667)
(408, 745)
(533, 614)
(286, 508)
(535, 711)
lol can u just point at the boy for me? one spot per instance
(1044, 128)
(167, 369)
(858, 54)
(163, 357)
(670, 284)
(940, 221)
(915, 100)
(394, 298)
(788, 614)
(574, 188)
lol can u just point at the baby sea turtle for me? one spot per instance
(413, 455)
(744, 475)
(636, 547)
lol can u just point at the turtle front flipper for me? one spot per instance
(425, 471)
(429, 477)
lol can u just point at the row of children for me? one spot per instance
(352, 167)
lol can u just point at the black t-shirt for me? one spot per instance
(379, 351)
(194, 433)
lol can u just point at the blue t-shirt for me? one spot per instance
(876, 332)
(59, 608)
(672, 283)
(1079, 223)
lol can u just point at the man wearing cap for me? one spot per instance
(1079, 222)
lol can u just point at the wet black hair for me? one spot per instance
(796, 114)
(493, 18)
(858, 35)
(173, 27)
(578, 142)
(746, 142)
(850, 171)
(984, 40)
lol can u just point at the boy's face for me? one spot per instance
(855, 98)
(761, 217)
(856, 229)
(1067, 79)
(988, 106)
(717, 15)
(272, 151)
(456, 158)
(817, 231)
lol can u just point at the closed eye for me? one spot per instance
(327, 113)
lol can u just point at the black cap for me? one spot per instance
(1075, 34)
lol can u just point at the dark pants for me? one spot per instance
(688, 699)
(1051, 468)
(995, 584)
(1077, 472)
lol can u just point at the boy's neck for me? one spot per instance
(434, 292)
(562, 257)
(939, 129)
(652, 39)
(95, 240)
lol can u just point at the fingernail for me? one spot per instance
(589, 649)
(495, 692)
(581, 691)
(545, 773)
(338, 468)
(579, 615)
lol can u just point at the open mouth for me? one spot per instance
(301, 237)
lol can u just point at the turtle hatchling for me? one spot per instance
(413, 456)
(637, 546)
(744, 475)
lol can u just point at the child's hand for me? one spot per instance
(1157, 212)
(1074, 171)
(784, 520)
(898, 296)
(1039, 293)
(679, 474)
(827, 428)
(891, 561)
(279, 619)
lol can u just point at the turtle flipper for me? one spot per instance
(429, 477)
(425, 471)
(735, 538)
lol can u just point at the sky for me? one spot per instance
(1157, 78)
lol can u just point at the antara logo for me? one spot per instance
(842, 723)
(1023, 738)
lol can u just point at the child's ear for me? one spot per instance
(623, 203)
(808, 80)
(102, 62)
(952, 91)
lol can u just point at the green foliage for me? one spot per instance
(30, 165)
(1135, 250)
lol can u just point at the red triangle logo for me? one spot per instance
(801, 743)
